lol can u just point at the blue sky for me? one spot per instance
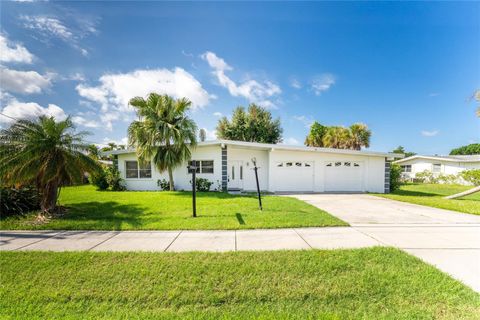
(407, 70)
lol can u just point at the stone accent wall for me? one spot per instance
(115, 161)
(387, 175)
(224, 169)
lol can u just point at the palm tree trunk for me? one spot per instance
(49, 197)
(464, 193)
(170, 177)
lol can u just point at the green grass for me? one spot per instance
(375, 283)
(89, 209)
(432, 195)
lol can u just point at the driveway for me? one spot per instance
(447, 239)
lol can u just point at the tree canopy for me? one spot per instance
(254, 125)
(401, 150)
(473, 148)
(354, 137)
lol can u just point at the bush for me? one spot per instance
(395, 176)
(99, 179)
(114, 180)
(472, 176)
(163, 184)
(17, 201)
(425, 177)
(202, 184)
(447, 178)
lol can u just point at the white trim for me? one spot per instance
(435, 159)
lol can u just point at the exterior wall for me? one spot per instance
(180, 176)
(448, 167)
(245, 155)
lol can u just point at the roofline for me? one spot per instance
(433, 158)
(272, 147)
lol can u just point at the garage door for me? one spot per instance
(293, 176)
(344, 176)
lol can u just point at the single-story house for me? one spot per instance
(228, 164)
(446, 165)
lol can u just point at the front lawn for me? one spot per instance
(89, 209)
(432, 195)
(375, 283)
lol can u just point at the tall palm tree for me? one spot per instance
(46, 153)
(360, 136)
(163, 132)
(337, 137)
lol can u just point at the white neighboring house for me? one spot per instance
(438, 165)
(282, 168)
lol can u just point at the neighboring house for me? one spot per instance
(446, 165)
(282, 168)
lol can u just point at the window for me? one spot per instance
(135, 170)
(307, 164)
(280, 164)
(356, 165)
(437, 167)
(407, 168)
(347, 164)
(338, 164)
(329, 164)
(298, 164)
(203, 166)
(289, 164)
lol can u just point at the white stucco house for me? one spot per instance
(446, 165)
(282, 168)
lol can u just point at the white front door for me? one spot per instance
(235, 174)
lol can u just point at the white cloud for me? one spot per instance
(187, 54)
(29, 110)
(294, 83)
(291, 141)
(307, 121)
(123, 141)
(218, 114)
(14, 52)
(322, 83)
(116, 90)
(432, 133)
(51, 27)
(82, 121)
(25, 82)
(252, 90)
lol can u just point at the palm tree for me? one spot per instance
(46, 153)
(360, 136)
(337, 137)
(202, 134)
(93, 152)
(476, 96)
(163, 132)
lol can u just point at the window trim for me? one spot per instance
(438, 165)
(200, 166)
(138, 177)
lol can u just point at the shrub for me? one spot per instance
(395, 176)
(472, 176)
(163, 184)
(202, 184)
(99, 179)
(425, 177)
(17, 201)
(114, 180)
(447, 178)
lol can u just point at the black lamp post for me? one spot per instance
(193, 169)
(254, 161)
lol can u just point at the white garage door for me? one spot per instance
(344, 176)
(293, 176)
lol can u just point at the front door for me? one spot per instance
(235, 174)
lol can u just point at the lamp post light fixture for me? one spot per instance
(193, 169)
(255, 168)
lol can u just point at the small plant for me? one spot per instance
(447, 178)
(202, 184)
(472, 176)
(395, 176)
(163, 184)
(99, 179)
(219, 186)
(114, 180)
(18, 201)
(425, 177)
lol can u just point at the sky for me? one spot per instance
(406, 69)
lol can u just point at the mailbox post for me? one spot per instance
(193, 169)
(254, 161)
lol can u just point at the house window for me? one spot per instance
(347, 164)
(338, 164)
(307, 164)
(298, 164)
(437, 167)
(280, 164)
(289, 164)
(135, 170)
(329, 164)
(203, 166)
(407, 168)
(356, 165)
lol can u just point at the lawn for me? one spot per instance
(338, 284)
(89, 209)
(432, 195)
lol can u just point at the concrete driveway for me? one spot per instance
(447, 239)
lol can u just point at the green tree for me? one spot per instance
(93, 152)
(359, 136)
(470, 149)
(315, 136)
(163, 132)
(45, 153)
(337, 137)
(255, 125)
(401, 150)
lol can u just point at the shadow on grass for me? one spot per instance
(111, 215)
(211, 194)
(240, 218)
(416, 193)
